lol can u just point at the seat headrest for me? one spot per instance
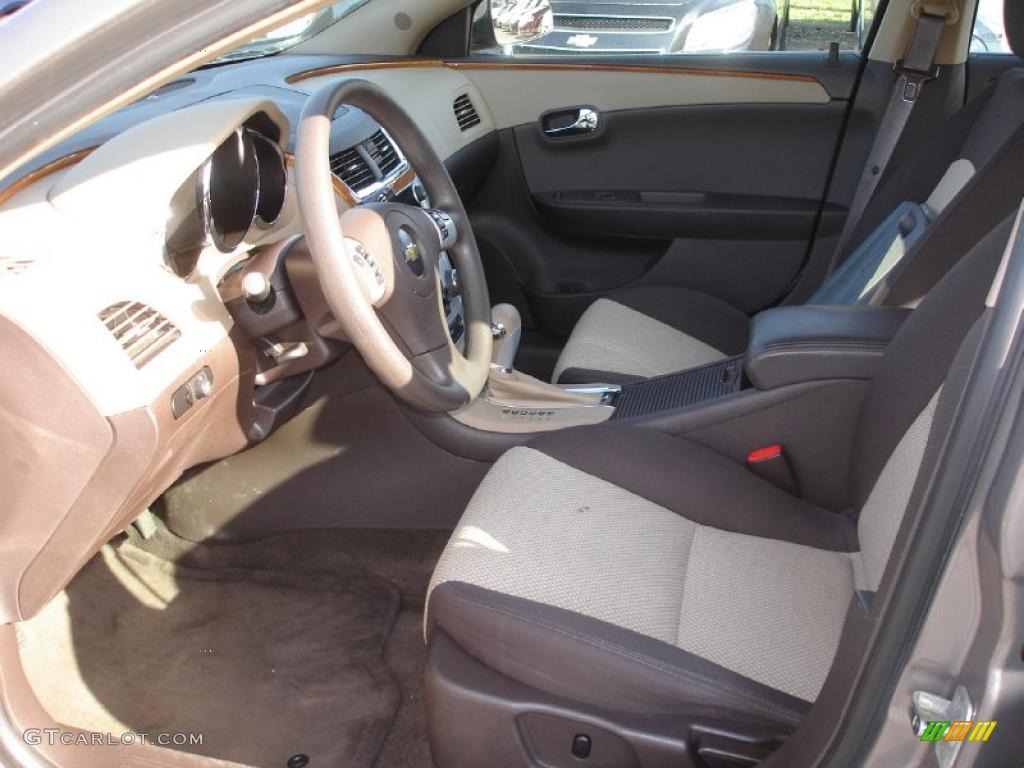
(1013, 20)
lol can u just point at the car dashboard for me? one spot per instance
(130, 287)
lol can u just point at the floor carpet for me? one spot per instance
(302, 643)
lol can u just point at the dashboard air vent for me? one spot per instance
(375, 159)
(383, 153)
(465, 112)
(140, 330)
(351, 167)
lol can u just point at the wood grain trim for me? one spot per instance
(340, 188)
(42, 172)
(523, 66)
(645, 69)
(335, 69)
(403, 181)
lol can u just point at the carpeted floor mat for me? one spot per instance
(406, 743)
(268, 649)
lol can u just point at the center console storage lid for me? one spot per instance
(810, 343)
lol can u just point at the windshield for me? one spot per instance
(292, 33)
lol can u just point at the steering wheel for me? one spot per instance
(378, 262)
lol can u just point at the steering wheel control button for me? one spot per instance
(411, 252)
(445, 227)
(450, 279)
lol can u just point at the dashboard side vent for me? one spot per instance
(14, 265)
(465, 113)
(140, 330)
(352, 168)
(383, 153)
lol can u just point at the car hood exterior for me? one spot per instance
(612, 26)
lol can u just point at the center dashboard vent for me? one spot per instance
(141, 331)
(367, 162)
(383, 153)
(465, 113)
(351, 167)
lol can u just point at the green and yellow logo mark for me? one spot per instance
(958, 730)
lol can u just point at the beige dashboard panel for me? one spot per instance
(520, 93)
(91, 236)
(73, 274)
(130, 179)
(427, 93)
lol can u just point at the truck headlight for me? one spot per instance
(723, 29)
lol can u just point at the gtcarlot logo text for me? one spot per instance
(54, 736)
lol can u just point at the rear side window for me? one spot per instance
(989, 35)
(658, 27)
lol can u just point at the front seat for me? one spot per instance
(649, 331)
(626, 597)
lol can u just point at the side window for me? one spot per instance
(989, 35)
(653, 27)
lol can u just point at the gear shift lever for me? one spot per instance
(514, 402)
(507, 327)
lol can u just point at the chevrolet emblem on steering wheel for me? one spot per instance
(412, 253)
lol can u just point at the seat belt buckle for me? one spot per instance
(770, 464)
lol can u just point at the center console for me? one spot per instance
(788, 346)
(677, 390)
(814, 343)
(799, 387)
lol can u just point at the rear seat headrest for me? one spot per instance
(1013, 19)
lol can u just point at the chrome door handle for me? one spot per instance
(587, 120)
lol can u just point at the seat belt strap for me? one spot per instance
(915, 69)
